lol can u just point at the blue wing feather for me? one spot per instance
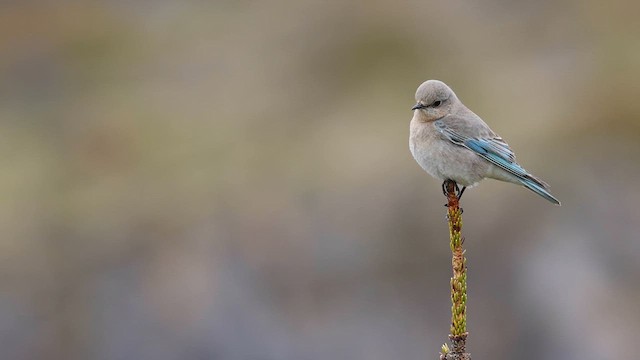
(495, 155)
(493, 149)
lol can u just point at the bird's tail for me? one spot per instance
(538, 187)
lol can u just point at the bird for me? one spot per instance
(451, 143)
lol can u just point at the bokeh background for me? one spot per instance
(232, 180)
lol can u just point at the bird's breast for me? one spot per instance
(426, 147)
(443, 159)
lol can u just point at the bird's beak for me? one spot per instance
(418, 106)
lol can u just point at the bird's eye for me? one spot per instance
(437, 103)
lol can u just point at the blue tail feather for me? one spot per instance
(536, 188)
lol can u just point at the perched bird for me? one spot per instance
(450, 142)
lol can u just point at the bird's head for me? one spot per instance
(434, 101)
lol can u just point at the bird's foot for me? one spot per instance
(461, 192)
(446, 185)
(457, 190)
(444, 188)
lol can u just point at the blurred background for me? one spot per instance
(232, 179)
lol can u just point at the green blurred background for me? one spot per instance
(232, 180)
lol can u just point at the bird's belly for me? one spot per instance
(444, 160)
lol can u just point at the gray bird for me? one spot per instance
(450, 142)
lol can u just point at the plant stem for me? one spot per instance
(459, 333)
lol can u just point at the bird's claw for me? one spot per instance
(461, 192)
(457, 190)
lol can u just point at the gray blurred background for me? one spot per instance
(232, 180)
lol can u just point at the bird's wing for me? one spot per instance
(476, 136)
